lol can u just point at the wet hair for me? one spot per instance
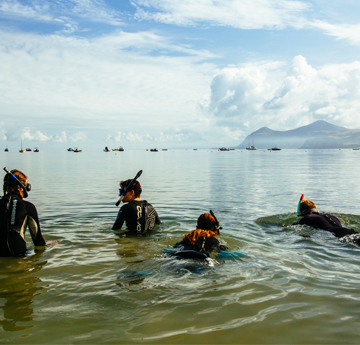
(10, 185)
(306, 206)
(206, 221)
(136, 187)
(206, 227)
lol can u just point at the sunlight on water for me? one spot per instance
(283, 284)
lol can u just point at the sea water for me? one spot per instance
(290, 284)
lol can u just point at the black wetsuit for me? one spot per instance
(326, 222)
(139, 216)
(202, 245)
(15, 215)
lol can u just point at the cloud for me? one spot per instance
(66, 12)
(98, 83)
(38, 136)
(347, 32)
(60, 138)
(79, 136)
(245, 14)
(254, 95)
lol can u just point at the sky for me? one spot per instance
(174, 73)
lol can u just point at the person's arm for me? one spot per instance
(34, 225)
(119, 220)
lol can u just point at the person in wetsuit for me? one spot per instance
(312, 217)
(16, 215)
(203, 238)
(139, 216)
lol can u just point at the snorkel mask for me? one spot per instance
(26, 187)
(298, 208)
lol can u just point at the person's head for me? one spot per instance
(207, 222)
(306, 207)
(133, 192)
(11, 185)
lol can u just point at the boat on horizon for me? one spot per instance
(251, 148)
(70, 149)
(6, 149)
(21, 151)
(36, 149)
(106, 149)
(119, 149)
(76, 150)
(154, 150)
(274, 149)
(224, 149)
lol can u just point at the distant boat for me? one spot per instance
(154, 150)
(106, 149)
(28, 149)
(356, 148)
(6, 149)
(163, 149)
(76, 150)
(119, 149)
(223, 149)
(21, 151)
(36, 149)
(274, 149)
(251, 147)
(70, 149)
(195, 149)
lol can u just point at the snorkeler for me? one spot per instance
(16, 215)
(203, 239)
(311, 217)
(139, 215)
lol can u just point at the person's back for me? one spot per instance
(16, 215)
(138, 215)
(328, 222)
(203, 238)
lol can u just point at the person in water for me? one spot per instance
(312, 217)
(203, 239)
(139, 215)
(16, 215)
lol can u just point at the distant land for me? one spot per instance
(318, 135)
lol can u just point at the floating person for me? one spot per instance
(199, 243)
(16, 215)
(139, 216)
(311, 217)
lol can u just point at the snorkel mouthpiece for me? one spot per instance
(298, 208)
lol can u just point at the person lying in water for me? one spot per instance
(139, 215)
(203, 239)
(328, 222)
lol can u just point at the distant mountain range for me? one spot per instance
(318, 135)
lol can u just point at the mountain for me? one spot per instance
(318, 135)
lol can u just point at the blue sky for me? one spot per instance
(174, 74)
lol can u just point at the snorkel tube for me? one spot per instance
(218, 227)
(122, 195)
(298, 208)
(26, 187)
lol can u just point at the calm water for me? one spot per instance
(292, 285)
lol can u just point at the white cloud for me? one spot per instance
(60, 138)
(130, 137)
(79, 136)
(347, 32)
(98, 83)
(257, 95)
(244, 14)
(66, 12)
